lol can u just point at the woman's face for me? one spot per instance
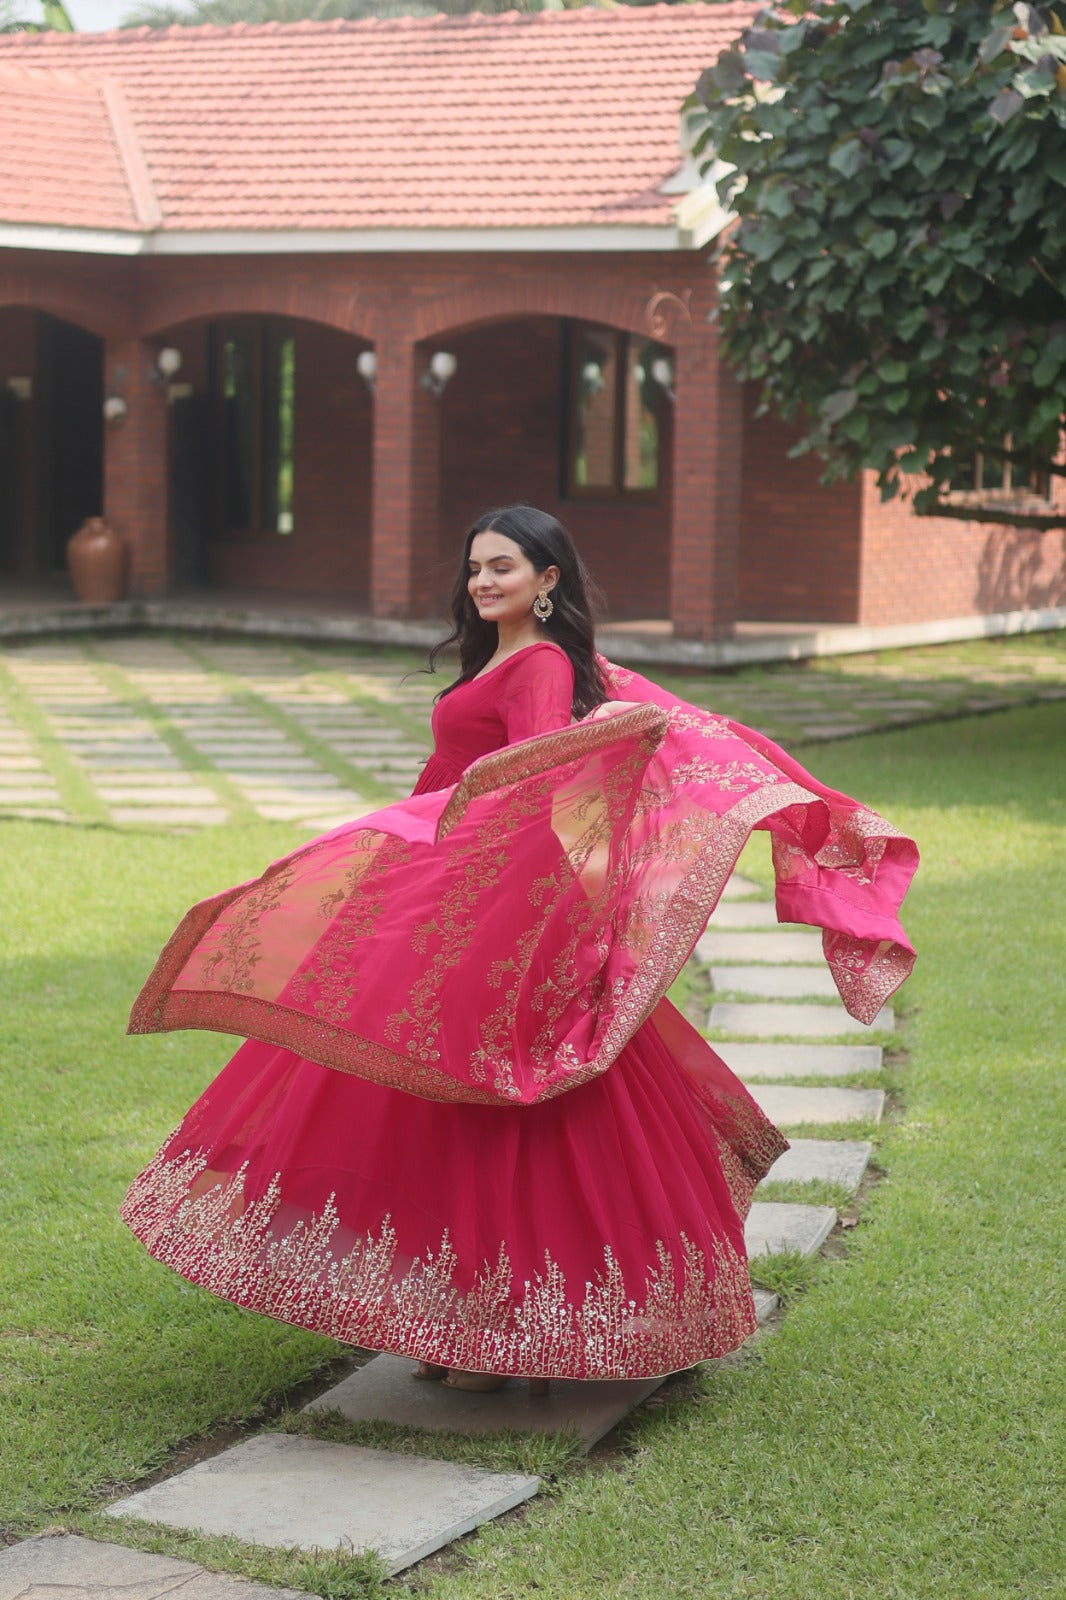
(503, 582)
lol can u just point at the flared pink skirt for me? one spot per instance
(596, 1235)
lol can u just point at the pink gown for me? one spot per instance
(467, 1127)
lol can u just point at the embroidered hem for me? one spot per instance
(689, 1308)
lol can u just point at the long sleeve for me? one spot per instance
(537, 693)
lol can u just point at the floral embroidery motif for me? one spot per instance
(690, 1307)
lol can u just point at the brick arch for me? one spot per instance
(649, 310)
(350, 311)
(95, 308)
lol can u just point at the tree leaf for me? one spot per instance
(838, 405)
(848, 157)
(882, 243)
(1007, 104)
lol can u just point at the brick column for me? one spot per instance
(136, 465)
(404, 505)
(704, 575)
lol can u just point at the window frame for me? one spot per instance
(268, 335)
(617, 489)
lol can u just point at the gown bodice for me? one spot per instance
(530, 692)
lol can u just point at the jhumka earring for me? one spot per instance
(542, 606)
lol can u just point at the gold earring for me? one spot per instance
(542, 606)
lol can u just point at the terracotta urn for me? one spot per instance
(96, 558)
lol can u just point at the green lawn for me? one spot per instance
(899, 1437)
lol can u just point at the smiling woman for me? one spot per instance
(467, 1126)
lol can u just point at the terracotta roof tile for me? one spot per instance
(538, 120)
(64, 149)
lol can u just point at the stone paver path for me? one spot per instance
(188, 731)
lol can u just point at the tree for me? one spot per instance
(55, 18)
(191, 13)
(897, 279)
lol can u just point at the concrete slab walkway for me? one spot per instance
(67, 1567)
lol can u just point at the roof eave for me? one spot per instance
(593, 238)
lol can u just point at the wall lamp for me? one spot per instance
(168, 362)
(440, 372)
(662, 371)
(366, 364)
(115, 409)
(592, 376)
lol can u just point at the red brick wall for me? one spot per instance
(799, 540)
(501, 315)
(919, 569)
(501, 441)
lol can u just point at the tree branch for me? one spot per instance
(1002, 515)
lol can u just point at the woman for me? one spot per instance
(466, 1125)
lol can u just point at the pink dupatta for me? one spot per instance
(501, 940)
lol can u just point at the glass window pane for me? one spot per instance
(596, 386)
(644, 397)
(239, 425)
(279, 412)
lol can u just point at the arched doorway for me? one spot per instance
(270, 446)
(51, 438)
(577, 418)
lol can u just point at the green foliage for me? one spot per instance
(896, 282)
(55, 18)
(193, 13)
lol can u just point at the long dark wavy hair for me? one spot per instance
(575, 598)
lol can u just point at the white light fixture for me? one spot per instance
(20, 388)
(662, 371)
(169, 362)
(115, 408)
(440, 372)
(592, 376)
(366, 364)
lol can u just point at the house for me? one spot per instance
(293, 304)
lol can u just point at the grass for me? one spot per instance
(900, 1436)
(545, 1455)
(785, 1273)
(807, 1192)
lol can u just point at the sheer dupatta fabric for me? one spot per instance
(501, 941)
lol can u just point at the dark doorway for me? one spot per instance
(9, 496)
(70, 436)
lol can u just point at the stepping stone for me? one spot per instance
(137, 794)
(775, 983)
(172, 782)
(385, 1391)
(753, 1061)
(778, 1225)
(739, 888)
(313, 779)
(769, 1021)
(783, 1103)
(779, 946)
(282, 1491)
(171, 816)
(28, 796)
(36, 814)
(840, 1161)
(744, 914)
(69, 1567)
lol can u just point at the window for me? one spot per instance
(619, 394)
(990, 480)
(254, 384)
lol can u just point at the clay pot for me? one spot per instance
(96, 558)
